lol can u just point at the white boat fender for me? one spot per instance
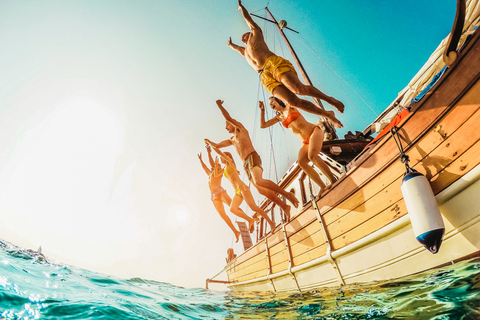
(426, 219)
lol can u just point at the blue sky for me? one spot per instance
(105, 104)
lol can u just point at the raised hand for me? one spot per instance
(261, 105)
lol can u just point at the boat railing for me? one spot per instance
(303, 187)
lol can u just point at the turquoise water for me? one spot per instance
(33, 288)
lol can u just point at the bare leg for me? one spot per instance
(251, 203)
(303, 161)
(289, 97)
(314, 148)
(290, 80)
(268, 184)
(235, 209)
(225, 198)
(269, 194)
(219, 206)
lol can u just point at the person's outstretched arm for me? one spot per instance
(270, 122)
(227, 116)
(221, 154)
(219, 145)
(235, 47)
(248, 19)
(210, 159)
(207, 171)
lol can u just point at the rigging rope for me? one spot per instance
(311, 50)
(329, 69)
(348, 97)
(280, 41)
(340, 115)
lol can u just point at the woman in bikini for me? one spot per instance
(219, 195)
(242, 191)
(311, 135)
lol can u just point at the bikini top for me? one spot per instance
(228, 170)
(291, 117)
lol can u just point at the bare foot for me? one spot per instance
(339, 105)
(333, 120)
(291, 197)
(237, 235)
(251, 225)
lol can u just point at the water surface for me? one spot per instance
(33, 288)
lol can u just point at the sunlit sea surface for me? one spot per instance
(33, 288)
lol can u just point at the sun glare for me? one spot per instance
(66, 161)
(179, 215)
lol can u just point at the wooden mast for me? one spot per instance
(329, 126)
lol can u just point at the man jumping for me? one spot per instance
(278, 76)
(252, 162)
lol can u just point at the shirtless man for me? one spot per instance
(252, 162)
(278, 75)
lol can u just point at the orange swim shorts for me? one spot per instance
(271, 71)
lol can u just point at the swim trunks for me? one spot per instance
(307, 141)
(217, 193)
(291, 117)
(271, 71)
(253, 160)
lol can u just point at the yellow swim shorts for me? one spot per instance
(271, 71)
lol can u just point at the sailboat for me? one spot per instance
(365, 227)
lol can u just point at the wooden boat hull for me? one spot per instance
(361, 231)
(389, 253)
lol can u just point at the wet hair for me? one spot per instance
(280, 102)
(228, 154)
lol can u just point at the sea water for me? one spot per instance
(33, 288)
